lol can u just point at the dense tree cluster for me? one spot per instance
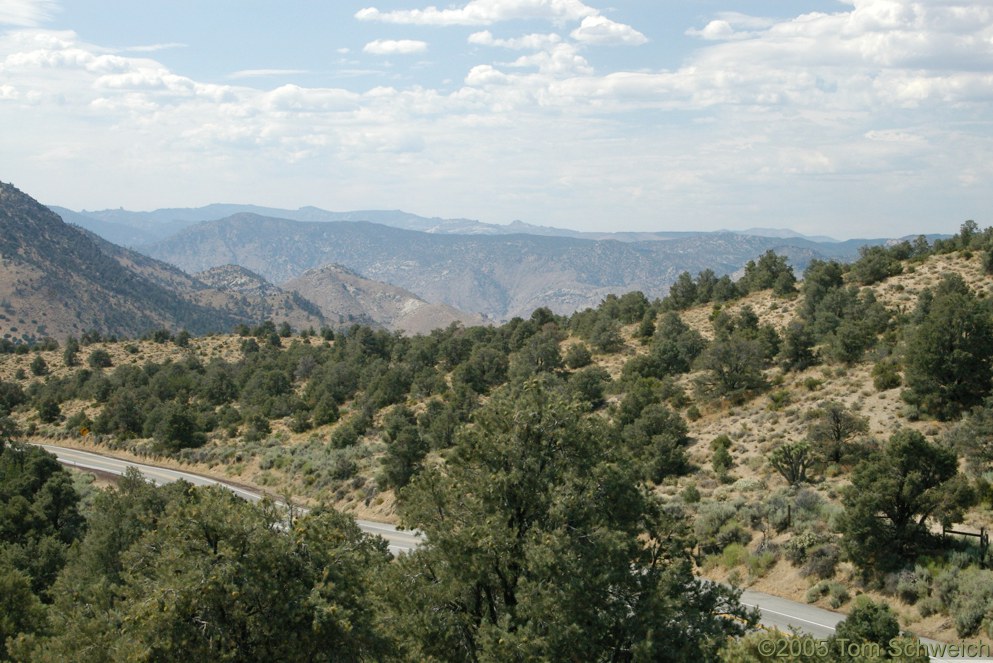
(542, 543)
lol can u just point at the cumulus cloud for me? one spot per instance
(885, 96)
(732, 25)
(600, 30)
(300, 99)
(483, 12)
(395, 47)
(717, 30)
(264, 73)
(27, 13)
(532, 42)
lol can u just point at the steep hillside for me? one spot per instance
(58, 280)
(234, 288)
(229, 289)
(344, 296)
(500, 277)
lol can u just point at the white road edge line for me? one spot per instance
(788, 616)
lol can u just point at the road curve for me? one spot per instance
(399, 541)
(775, 611)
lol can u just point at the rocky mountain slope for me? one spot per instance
(59, 280)
(344, 296)
(235, 288)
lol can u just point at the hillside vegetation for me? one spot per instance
(807, 438)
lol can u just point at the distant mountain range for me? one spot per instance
(210, 268)
(499, 276)
(59, 280)
(137, 228)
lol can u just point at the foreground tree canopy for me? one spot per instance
(894, 494)
(543, 546)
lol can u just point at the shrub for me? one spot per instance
(717, 526)
(886, 375)
(797, 547)
(691, 494)
(972, 604)
(869, 622)
(577, 356)
(839, 594)
(929, 606)
(48, 410)
(912, 586)
(38, 366)
(99, 358)
(734, 554)
(815, 593)
(946, 585)
(821, 561)
(760, 563)
(779, 399)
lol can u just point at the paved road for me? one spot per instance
(783, 614)
(399, 541)
(776, 612)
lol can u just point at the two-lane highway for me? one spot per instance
(399, 541)
(776, 612)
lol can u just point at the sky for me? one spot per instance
(847, 118)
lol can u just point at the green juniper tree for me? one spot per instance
(542, 546)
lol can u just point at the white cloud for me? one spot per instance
(717, 30)
(532, 42)
(559, 60)
(264, 73)
(732, 25)
(395, 47)
(600, 30)
(27, 13)
(154, 48)
(483, 12)
(883, 104)
(299, 99)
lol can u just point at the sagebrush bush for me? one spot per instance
(718, 526)
(760, 563)
(797, 547)
(912, 586)
(972, 604)
(822, 561)
(817, 591)
(734, 555)
(839, 594)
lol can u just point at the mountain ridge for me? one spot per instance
(499, 276)
(135, 228)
